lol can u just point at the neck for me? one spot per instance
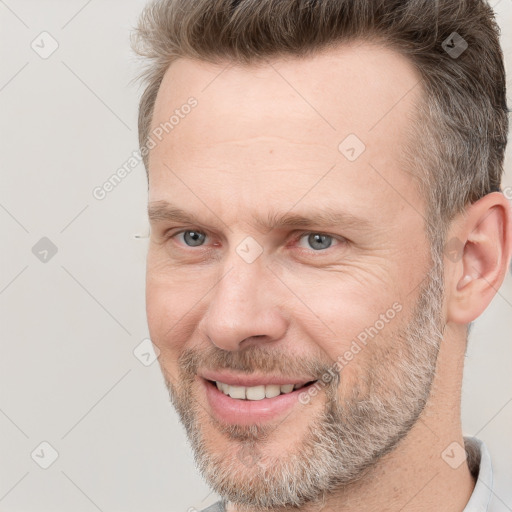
(419, 474)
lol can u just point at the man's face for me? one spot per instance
(248, 293)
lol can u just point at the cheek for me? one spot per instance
(175, 300)
(164, 308)
(345, 316)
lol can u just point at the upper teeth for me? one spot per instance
(254, 392)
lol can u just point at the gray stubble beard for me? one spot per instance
(343, 442)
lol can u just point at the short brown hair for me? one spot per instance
(460, 129)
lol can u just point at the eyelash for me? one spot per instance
(295, 238)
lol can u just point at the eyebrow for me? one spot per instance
(159, 211)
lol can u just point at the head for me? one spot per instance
(322, 157)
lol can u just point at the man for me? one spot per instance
(326, 222)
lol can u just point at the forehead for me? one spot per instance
(280, 123)
(351, 87)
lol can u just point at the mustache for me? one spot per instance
(251, 360)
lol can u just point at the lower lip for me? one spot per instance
(248, 412)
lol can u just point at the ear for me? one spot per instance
(477, 257)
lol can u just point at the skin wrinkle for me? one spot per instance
(296, 465)
(211, 309)
(331, 422)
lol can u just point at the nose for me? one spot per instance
(244, 308)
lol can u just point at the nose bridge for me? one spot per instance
(241, 304)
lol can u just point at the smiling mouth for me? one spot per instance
(258, 392)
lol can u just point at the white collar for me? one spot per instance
(479, 462)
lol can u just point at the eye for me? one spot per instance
(317, 241)
(192, 238)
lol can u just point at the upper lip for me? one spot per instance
(234, 379)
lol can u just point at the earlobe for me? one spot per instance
(484, 233)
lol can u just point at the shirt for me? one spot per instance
(479, 462)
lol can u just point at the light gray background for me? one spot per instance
(68, 374)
